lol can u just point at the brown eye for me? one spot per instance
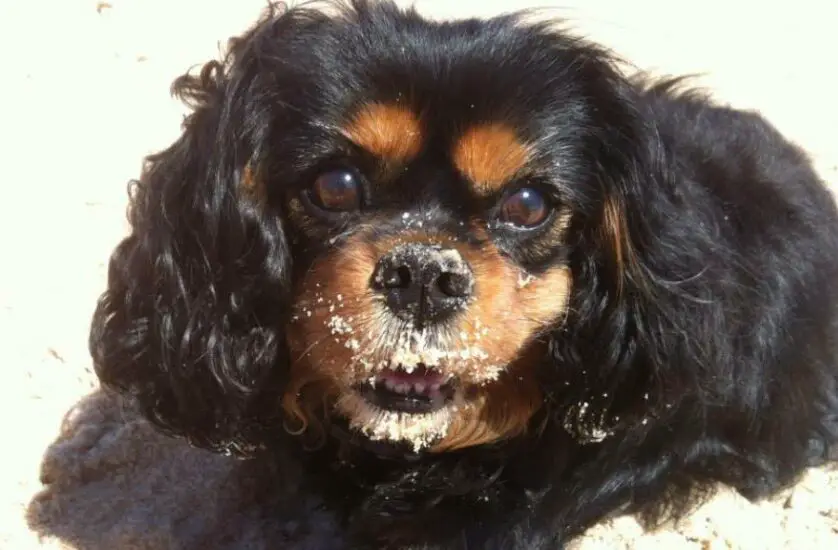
(526, 207)
(337, 190)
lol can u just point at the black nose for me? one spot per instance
(422, 283)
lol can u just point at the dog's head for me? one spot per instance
(410, 226)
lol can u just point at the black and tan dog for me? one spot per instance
(482, 287)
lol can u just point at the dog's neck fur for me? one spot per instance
(396, 494)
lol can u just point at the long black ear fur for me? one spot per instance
(191, 322)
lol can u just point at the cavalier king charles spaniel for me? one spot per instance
(484, 288)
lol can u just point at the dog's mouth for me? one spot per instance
(419, 390)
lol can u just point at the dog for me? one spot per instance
(482, 287)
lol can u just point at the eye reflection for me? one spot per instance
(526, 207)
(337, 190)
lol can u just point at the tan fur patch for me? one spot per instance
(391, 132)
(248, 181)
(489, 156)
(342, 334)
(616, 232)
(500, 410)
(249, 185)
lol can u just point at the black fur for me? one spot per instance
(711, 352)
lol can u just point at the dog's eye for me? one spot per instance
(337, 190)
(526, 207)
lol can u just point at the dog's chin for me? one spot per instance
(414, 406)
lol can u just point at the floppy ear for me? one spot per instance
(191, 323)
(634, 278)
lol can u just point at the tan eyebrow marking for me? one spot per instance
(392, 132)
(489, 155)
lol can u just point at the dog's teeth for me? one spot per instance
(403, 388)
(390, 385)
(435, 386)
(419, 387)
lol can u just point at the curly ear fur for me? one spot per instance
(642, 287)
(665, 345)
(191, 324)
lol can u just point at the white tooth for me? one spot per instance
(435, 386)
(403, 388)
(389, 384)
(419, 387)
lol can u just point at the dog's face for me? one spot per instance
(404, 201)
(429, 204)
(431, 254)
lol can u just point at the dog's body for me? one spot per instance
(569, 293)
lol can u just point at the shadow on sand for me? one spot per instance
(112, 482)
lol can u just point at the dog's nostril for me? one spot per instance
(398, 277)
(404, 276)
(454, 285)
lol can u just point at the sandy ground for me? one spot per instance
(85, 96)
